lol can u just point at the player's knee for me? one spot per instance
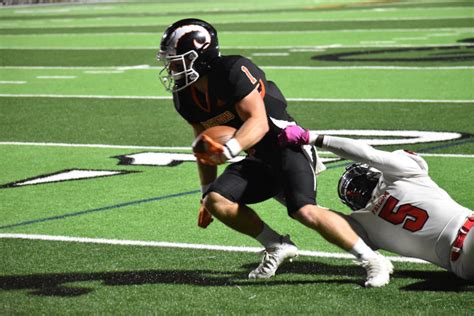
(216, 203)
(308, 215)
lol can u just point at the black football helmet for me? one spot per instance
(187, 48)
(356, 185)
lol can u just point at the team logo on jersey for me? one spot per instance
(220, 119)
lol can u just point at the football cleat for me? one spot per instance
(273, 257)
(378, 270)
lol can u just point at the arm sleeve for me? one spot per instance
(389, 163)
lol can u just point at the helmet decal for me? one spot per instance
(187, 49)
(203, 40)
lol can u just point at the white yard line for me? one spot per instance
(56, 77)
(251, 21)
(367, 67)
(45, 144)
(148, 67)
(111, 68)
(87, 96)
(165, 244)
(400, 30)
(289, 99)
(378, 100)
(242, 47)
(101, 72)
(12, 82)
(270, 54)
(93, 146)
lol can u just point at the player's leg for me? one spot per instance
(300, 188)
(249, 182)
(329, 224)
(300, 191)
(335, 229)
(235, 187)
(236, 216)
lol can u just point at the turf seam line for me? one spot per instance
(100, 209)
(164, 244)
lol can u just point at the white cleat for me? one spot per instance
(273, 257)
(378, 270)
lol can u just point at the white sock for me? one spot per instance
(268, 237)
(362, 251)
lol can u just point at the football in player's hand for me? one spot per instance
(220, 134)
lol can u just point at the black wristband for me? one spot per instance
(319, 141)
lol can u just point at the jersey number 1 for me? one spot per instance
(252, 79)
(414, 217)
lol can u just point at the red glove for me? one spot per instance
(204, 217)
(215, 153)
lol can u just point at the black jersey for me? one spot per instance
(230, 80)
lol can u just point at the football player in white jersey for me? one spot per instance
(397, 206)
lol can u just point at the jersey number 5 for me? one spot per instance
(414, 218)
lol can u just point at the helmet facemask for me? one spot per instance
(356, 185)
(178, 72)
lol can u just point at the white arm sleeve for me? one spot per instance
(389, 163)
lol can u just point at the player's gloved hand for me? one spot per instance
(204, 217)
(216, 153)
(293, 135)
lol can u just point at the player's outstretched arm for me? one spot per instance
(390, 163)
(356, 150)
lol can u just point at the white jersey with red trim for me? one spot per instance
(408, 213)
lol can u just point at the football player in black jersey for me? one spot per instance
(210, 89)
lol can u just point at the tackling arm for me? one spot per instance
(387, 162)
(395, 163)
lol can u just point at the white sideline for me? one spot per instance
(164, 244)
(94, 146)
(148, 67)
(253, 32)
(173, 148)
(244, 47)
(288, 99)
